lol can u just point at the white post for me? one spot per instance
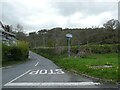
(68, 36)
(69, 47)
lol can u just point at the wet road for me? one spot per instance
(40, 72)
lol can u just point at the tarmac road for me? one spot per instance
(41, 72)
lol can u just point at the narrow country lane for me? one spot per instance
(40, 72)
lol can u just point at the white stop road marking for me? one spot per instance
(45, 71)
(31, 84)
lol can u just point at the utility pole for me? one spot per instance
(119, 11)
(118, 34)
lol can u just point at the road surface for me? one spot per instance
(40, 72)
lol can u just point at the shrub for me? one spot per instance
(105, 48)
(24, 46)
(84, 50)
(18, 51)
(5, 52)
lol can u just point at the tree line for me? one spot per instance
(108, 34)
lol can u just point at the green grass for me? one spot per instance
(83, 65)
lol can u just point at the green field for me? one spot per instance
(88, 65)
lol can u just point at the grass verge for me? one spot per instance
(85, 65)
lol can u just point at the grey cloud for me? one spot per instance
(48, 25)
(89, 8)
(14, 13)
(10, 15)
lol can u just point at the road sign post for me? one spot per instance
(69, 36)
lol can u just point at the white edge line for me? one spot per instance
(53, 84)
(18, 77)
(36, 63)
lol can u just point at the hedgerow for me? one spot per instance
(86, 49)
(18, 51)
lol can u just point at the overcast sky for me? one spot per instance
(34, 15)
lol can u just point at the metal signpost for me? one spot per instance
(69, 36)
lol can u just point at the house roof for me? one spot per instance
(11, 34)
(5, 32)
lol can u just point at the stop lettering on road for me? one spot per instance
(45, 71)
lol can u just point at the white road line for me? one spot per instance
(18, 77)
(36, 64)
(53, 84)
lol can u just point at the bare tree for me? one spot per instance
(19, 28)
(111, 24)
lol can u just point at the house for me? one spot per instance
(6, 35)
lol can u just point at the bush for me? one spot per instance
(106, 48)
(5, 52)
(46, 51)
(18, 51)
(24, 46)
(84, 50)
